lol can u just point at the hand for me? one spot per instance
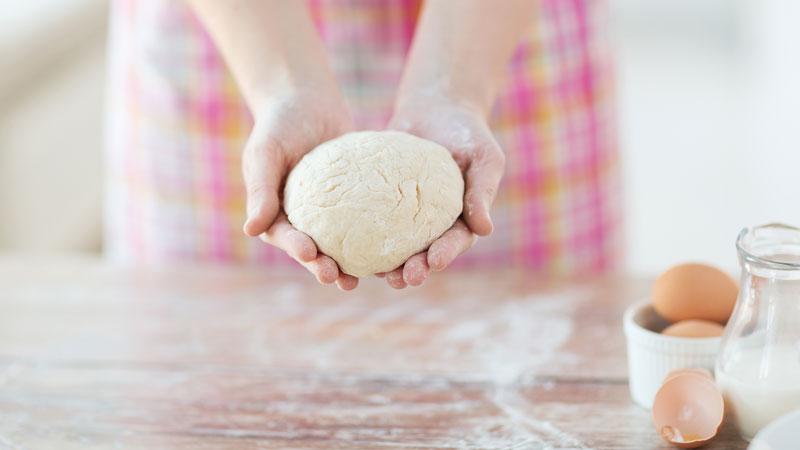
(463, 130)
(287, 127)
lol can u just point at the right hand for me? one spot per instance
(286, 127)
(462, 129)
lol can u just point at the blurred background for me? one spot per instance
(709, 118)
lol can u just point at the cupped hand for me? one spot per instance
(463, 130)
(285, 128)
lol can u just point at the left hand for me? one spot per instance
(462, 129)
(287, 126)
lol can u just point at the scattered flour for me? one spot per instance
(497, 342)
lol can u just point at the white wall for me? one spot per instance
(709, 126)
(51, 175)
(51, 115)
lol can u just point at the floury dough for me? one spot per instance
(372, 199)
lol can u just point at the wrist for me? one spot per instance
(285, 82)
(438, 95)
(301, 116)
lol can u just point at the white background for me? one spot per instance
(709, 101)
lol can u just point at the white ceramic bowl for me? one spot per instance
(652, 355)
(781, 434)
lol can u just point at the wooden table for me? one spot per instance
(94, 356)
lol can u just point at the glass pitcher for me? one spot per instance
(758, 369)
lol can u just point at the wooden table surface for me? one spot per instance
(95, 356)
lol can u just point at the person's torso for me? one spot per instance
(178, 124)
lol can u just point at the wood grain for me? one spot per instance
(98, 356)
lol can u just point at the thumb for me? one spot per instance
(262, 176)
(481, 181)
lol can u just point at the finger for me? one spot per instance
(380, 274)
(482, 178)
(395, 278)
(286, 237)
(263, 171)
(324, 268)
(416, 269)
(452, 243)
(346, 282)
(302, 249)
(262, 207)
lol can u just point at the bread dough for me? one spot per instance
(372, 199)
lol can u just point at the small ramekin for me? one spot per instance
(652, 355)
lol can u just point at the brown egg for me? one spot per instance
(688, 410)
(695, 291)
(674, 373)
(694, 329)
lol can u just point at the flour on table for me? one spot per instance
(499, 343)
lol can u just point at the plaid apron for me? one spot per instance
(177, 125)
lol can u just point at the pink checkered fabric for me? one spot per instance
(177, 125)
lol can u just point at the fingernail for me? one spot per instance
(487, 204)
(252, 210)
(246, 227)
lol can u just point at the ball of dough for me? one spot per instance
(372, 199)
